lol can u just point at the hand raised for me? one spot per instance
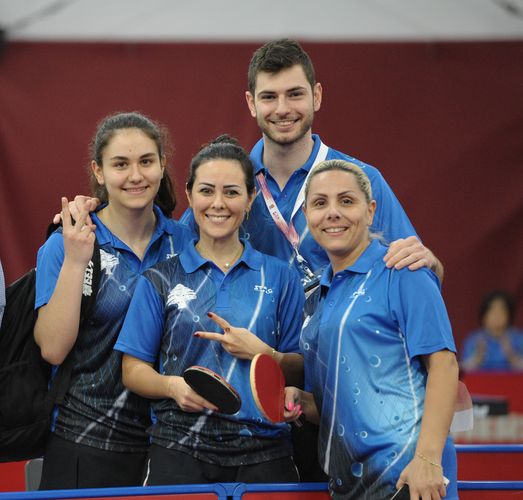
(75, 207)
(78, 238)
(239, 342)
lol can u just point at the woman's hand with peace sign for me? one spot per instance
(239, 342)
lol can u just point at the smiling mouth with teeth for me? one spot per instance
(218, 218)
(284, 123)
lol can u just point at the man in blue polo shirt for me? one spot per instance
(283, 96)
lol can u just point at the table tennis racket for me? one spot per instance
(213, 388)
(402, 494)
(268, 387)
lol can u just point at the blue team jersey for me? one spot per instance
(495, 358)
(97, 410)
(263, 234)
(364, 332)
(171, 302)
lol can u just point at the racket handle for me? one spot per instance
(301, 420)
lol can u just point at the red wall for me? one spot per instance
(442, 121)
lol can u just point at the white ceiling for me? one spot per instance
(254, 20)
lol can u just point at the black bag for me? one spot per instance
(26, 400)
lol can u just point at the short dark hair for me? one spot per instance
(107, 127)
(224, 147)
(277, 55)
(491, 297)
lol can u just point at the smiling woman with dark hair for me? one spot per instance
(98, 437)
(217, 305)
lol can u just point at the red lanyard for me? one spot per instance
(288, 229)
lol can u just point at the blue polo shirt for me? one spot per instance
(171, 302)
(364, 332)
(98, 410)
(495, 358)
(263, 234)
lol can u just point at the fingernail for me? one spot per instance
(290, 405)
(196, 334)
(209, 314)
(298, 407)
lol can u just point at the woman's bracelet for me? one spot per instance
(423, 457)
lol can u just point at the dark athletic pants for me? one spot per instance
(68, 465)
(168, 466)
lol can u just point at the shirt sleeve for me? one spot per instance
(417, 306)
(142, 330)
(291, 312)
(187, 219)
(48, 265)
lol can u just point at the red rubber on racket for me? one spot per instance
(268, 387)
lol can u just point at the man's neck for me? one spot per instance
(283, 159)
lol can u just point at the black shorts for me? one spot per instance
(68, 465)
(167, 466)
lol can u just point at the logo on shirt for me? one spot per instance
(108, 262)
(306, 321)
(180, 296)
(87, 290)
(358, 293)
(170, 255)
(262, 288)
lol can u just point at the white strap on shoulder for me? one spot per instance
(322, 154)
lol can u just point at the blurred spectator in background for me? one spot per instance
(496, 345)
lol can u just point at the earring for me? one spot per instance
(247, 214)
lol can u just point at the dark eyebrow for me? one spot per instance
(293, 89)
(227, 186)
(296, 88)
(146, 155)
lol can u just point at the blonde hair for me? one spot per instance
(343, 166)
